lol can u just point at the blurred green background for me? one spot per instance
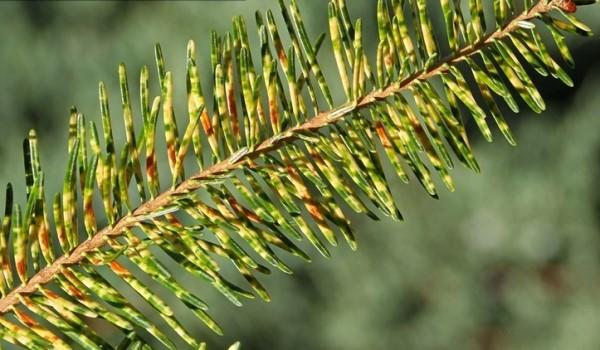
(509, 261)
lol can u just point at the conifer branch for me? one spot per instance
(276, 173)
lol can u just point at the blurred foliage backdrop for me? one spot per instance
(509, 261)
